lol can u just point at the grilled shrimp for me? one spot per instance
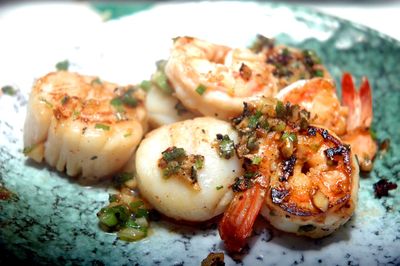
(359, 120)
(185, 169)
(350, 120)
(82, 125)
(300, 177)
(214, 79)
(289, 64)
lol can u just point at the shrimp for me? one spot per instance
(359, 120)
(300, 177)
(184, 173)
(82, 125)
(318, 96)
(350, 120)
(290, 64)
(214, 79)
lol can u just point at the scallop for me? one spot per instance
(174, 196)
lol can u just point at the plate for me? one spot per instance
(52, 219)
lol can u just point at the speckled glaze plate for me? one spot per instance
(52, 219)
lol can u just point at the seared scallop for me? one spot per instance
(82, 125)
(185, 169)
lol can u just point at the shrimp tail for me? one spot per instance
(238, 220)
(366, 103)
(359, 103)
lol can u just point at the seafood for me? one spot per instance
(164, 109)
(202, 190)
(300, 177)
(214, 79)
(289, 64)
(162, 105)
(318, 96)
(350, 120)
(82, 125)
(359, 120)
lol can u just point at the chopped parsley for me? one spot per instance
(201, 89)
(176, 162)
(145, 85)
(219, 187)
(102, 126)
(65, 99)
(8, 90)
(225, 146)
(62, 65)
(256, 160)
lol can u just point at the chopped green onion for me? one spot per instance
(318, 73)
(280, 126)
(96, 81)
(65, 99)
(8, 90)
(161, 81)
(116, 102)
(49, 104)
(102, 126)
(219, 187)
(226, 146)
(289, 136)
(253, 120)
(62, 65)
(142, 213)
(121, 178)
(280, 110)
(372, 132)
(28, 149)
(131, 234)
(113, 198)
(173, 153)
(201, 89)
(75, 114)
(199, 162)
(136, 204)
(145, 85)
(108, 218)
(256, 160)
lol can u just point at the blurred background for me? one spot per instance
(381, 15)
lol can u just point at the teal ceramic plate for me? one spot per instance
(52, 219)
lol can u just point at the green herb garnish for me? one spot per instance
(173, 153)
(219, 187)
(96, 81)
(256, 160)
(29, 149)
(102, 126)
(289, 136)
(62, 65)
(225, 146)
(145, 85)
(8, 90)
(201, 89)
(49, 104)
(65, 99)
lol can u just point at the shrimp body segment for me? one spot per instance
(82, 125)
(318, 96)
(215, 79)
(308, 177)
(198, 194)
